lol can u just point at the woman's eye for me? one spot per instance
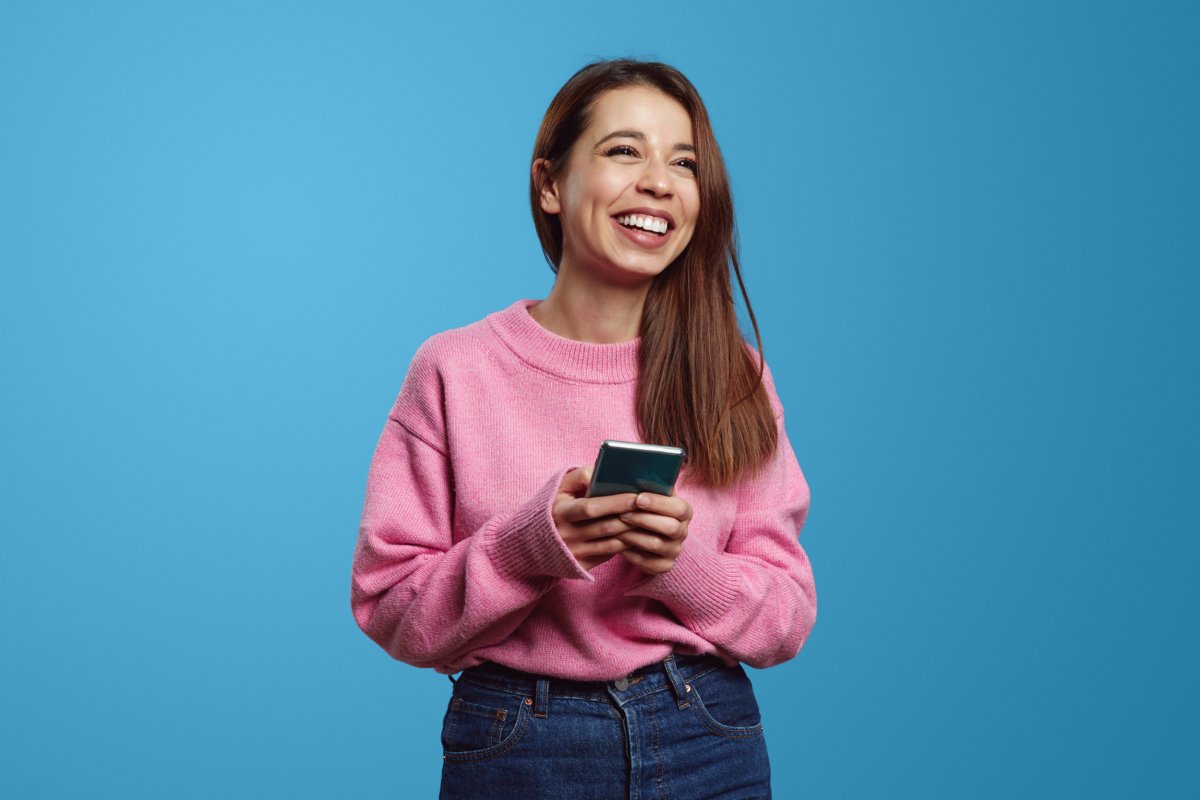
(621, 150)
(687, 164)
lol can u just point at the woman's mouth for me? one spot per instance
(643, 229)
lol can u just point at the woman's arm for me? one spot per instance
(423, 598)
(756, 600)
(426, 601)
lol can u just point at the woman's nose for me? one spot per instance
(655, 179)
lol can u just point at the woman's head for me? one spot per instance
(584, 178)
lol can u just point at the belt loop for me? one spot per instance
(682, 690)
(541, 699)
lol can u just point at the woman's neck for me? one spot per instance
(591, 311)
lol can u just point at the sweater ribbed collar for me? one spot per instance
(586, 362)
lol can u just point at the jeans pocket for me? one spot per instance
(723, 700)
(481, 722)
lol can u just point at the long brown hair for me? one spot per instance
(698, 386)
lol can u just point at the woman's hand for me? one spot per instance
(589, 525)
(660, 526)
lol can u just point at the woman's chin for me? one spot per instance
(625, 269)
(641, 267)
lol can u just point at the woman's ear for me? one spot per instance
(548, 190)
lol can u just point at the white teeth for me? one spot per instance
(655, 224)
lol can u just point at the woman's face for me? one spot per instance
(628, 196)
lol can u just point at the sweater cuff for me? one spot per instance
(527, 544)
(699, 589)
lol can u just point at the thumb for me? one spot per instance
(576, 481)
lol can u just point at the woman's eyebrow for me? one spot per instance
(641, 137)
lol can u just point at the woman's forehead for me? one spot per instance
(641, 109)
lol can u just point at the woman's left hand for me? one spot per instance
(662, 523)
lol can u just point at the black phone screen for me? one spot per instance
(634, 467)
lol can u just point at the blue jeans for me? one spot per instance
(685, 728)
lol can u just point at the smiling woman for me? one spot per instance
(585, 674)
(626, 198)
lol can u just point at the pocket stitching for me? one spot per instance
(720, 728)
(498, 749)
(497, 716)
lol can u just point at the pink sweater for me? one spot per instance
(458, 559)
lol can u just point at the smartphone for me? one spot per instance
(634, 467)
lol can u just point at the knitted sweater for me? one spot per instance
(459, 561)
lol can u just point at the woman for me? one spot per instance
(599, 639)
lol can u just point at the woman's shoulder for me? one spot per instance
(452, 357)
(457, 345)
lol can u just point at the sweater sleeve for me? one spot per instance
(756, 601)
(423, 598)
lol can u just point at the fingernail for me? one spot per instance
(643, 500)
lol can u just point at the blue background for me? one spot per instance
(970, 235)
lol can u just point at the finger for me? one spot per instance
(598, 528)
(647, 563)
(651, 543)
(672, 506)
(576, 480)
(599, 547)
(586, 508)
(656, 523)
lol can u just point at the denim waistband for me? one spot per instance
(643, 680)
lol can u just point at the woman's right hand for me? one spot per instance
(589, 525)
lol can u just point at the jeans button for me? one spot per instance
(621, 683)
